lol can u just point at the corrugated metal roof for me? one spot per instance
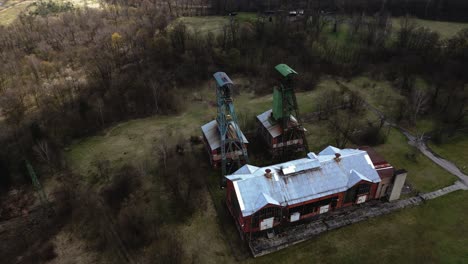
(320, 175)
(211, 132)
(246, 169)
(285, 70)
(264, 199)
(273, 129)
(330, 150)
(222, 79)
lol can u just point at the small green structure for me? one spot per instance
(37, 184)
(285, 70)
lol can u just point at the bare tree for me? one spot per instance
(44, 152)
(420, 99)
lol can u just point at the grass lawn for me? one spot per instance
(423, 174)
(10, 13)
(454, 149)
(435, 232)
(206, 24)
(445, 29)
(10, 10)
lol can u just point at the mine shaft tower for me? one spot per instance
(286, 112)
(233, 149)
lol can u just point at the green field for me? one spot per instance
(445, 29)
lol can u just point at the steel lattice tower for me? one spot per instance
(285, 109)
(233, 150)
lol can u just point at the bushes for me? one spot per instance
(44, 8)
(126, 180)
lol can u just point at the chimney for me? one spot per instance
(268, 173)
(337, 157)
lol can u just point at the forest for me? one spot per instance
(67, 73)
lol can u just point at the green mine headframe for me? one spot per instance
(285, 108)
(233, 150)
(37, 184)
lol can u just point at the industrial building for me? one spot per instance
(261, 199)
(280, 127)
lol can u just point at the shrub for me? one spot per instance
(122, 184)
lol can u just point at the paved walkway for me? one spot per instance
(418, 143)
(445, 164)
(298, 233)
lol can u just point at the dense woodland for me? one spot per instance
(70, 74)
(67, 73)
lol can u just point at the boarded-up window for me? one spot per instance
(265, 213)
(350, 195)
(363, 188)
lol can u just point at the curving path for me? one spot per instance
(419, 143)
(445, 164)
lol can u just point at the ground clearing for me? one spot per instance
(204, 25)
(10, 10)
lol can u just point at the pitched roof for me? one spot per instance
(211, 132)
(264, 199)
(303, 179)
(273, 129)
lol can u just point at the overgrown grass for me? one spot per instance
(454, 149)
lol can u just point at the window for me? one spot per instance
(314, 207)
(264, 214)
(363, 188)
(350, 195)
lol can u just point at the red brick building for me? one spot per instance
(263, 198)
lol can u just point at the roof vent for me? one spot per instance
(268, 173)
(337, 157)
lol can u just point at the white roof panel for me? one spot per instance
(314, 177)
(211, 132)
